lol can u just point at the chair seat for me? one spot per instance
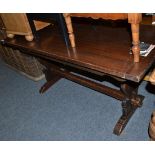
(113, 16)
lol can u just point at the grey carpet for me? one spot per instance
(68, 111)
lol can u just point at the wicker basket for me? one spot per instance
(23, 63)
(152, 127)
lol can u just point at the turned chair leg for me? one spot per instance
(9, 35)
(134, 19)
(70, 28)
(135, 41)
(29, 37)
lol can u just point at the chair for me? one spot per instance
(58, 17)
(133, 18)
(17, 24)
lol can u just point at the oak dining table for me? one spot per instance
(101, 53)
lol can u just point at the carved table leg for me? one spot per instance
(131, 102)
(70, 28)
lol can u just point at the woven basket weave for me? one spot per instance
(25, 64)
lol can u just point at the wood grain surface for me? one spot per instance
(100, 48)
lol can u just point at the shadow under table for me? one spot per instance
(103, 51)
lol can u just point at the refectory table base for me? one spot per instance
(128, 92)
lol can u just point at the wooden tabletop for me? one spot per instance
(100, 48)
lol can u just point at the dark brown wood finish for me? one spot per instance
(105, 49)
(100, 55)
(129, 105)
(128, 93)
